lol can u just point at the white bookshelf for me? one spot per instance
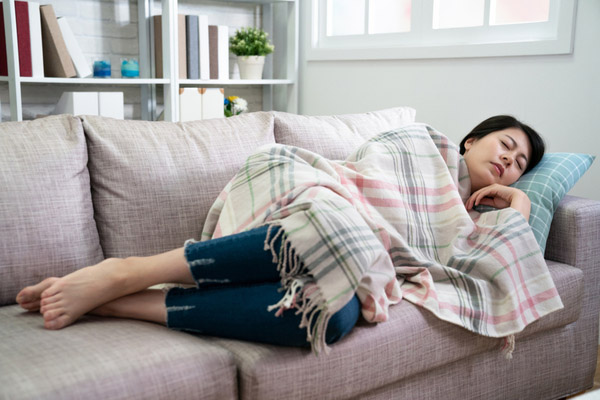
(279, 86)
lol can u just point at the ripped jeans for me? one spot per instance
(236, 281)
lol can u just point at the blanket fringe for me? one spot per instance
(301, 293)
(270, 241)
(288, 301)
(509, 347)
(315, 318)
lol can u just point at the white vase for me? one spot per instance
(251, 67)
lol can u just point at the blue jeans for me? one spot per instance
(237, 280)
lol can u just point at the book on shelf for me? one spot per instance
(181, 46)
(158, 58)
(82, 68)
(213, 49)
(23, 40)
(198, 62)
(200, 103)
(158, 48)
(203, 47)
(107, 104)
(218, 36)
(35, 33)
(57, 61)
(191, 37)
(223, 52)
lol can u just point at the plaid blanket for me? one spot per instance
(388, 223)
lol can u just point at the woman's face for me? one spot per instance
(499, 157)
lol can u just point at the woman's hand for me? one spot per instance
(500, 196)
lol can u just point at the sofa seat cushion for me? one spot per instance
(108, 358)
(371, 356)
(47, 225)
(336, 136)
(154, 182)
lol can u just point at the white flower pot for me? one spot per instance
(251, 67)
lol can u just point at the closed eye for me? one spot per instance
(519, 165)
(508, 148)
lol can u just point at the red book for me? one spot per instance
(23, 40)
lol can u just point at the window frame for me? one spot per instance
(552, 37)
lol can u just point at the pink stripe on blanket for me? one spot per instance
(422, 208)
(363, 182)
(374, 311)
(518, 281)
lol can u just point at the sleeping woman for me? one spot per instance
(297, 246)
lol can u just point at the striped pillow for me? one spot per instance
(547, 183)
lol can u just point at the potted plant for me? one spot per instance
(250, 45)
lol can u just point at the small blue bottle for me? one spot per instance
(130, 68)
(102, 69)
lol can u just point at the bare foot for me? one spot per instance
(68, 298)
(29, 298)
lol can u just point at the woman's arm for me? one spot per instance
(500, 196)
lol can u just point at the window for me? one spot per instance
(385, 29)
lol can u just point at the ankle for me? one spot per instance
(119, 273)
(132, 274)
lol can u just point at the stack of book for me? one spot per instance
(203, 48)
(47, 46)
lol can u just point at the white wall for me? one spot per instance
(558, 95)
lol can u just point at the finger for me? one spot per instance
(486, 201)
(468, 204)
(481, 195)
(471, 201)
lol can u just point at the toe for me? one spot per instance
(25, 296)
(31, 306)
(49, 300)
(57, 323)
(49, 306)
(52, 290)
(51, 325)
(33, 293)
(50, 315)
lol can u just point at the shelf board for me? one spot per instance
(262, 1)
(95, 81)
(138, 81)
(235, 82)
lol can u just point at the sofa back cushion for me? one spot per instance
(335, 137)
(154, 182)
(47, 223)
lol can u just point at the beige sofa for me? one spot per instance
(76, 190)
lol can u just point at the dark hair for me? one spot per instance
(500, 122)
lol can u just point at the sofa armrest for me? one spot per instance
(574, 238)
(575, 233)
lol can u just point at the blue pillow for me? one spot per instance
(547, 183)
